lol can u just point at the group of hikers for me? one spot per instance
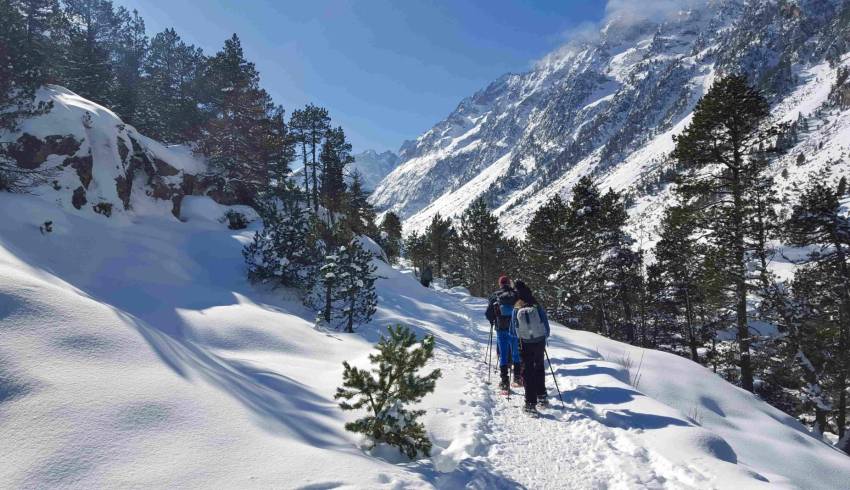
(521, 329)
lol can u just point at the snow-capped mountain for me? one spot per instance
(608, 105)
(374, 166)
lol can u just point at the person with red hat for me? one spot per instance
(500, 309)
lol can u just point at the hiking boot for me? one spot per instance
(518, 375)
(504, 385)
(542, 402)
(530, 408)
(505, 380)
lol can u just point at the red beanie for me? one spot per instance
(503, 280)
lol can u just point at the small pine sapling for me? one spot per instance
(386, 396)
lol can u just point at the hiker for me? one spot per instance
(532, 327)
(499, 310)
(427, 276)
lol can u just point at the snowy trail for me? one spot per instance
(563, 448)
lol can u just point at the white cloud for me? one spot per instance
(657, 10)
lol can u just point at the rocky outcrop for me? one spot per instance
(30, 152)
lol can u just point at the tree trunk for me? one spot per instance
(313, 172)
(692, 341)
(306, 173)
(349, 327)
(744, 363)
(326, 313)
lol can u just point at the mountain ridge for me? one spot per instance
(590, 107)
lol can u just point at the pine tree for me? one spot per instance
(335, 157)
(131, 45)
(386, 391)
(545, 247)
(479, 231)
(439, 235)
(819, 221)
(87, 67)
(310, 126)
(357, 295)
(20, 77)
(360, 214)
(715, 150)
(284, 250)
(171, 88)
(679, 256)
(417, 249)
(391, 236)
(245, 139)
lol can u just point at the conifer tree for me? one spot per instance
(679, 258)
(284, 250)
(131, 45)
(387, 390)
(545, 247)
(439, 235)
(417, 249)
(87, 64)
(245, 137)
(391, 236)
(715, 151)
(171, 89)
(20, 77)
(819, 221)
(310, 126)
(360, 214)
(335, 157)
(479, 230)
(357, 296)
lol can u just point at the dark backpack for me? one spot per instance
(503, 305)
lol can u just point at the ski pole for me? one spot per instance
(553, 377)
(490, 354)
(490, 342)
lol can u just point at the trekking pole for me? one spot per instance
(490, 342)
(490, 354)
(553, 377)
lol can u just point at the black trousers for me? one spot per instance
(533, 371)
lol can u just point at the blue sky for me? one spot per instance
(386, 70)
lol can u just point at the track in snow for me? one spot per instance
(563, 448)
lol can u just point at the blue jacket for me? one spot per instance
(543, 318)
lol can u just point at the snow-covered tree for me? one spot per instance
(357, 297)
(387, 390)
(283, 250)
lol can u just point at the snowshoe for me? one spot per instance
(531, 410)
(543, 402)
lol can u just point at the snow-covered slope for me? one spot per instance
(609, 103)
(136, 354)
(94, 163)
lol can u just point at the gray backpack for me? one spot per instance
(529, 324)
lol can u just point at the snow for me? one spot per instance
(137, 354)
(102, 136)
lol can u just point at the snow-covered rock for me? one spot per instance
(96, 163)
(609, 104)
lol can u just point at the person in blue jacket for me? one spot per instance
(532, 348)
(499, 310)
